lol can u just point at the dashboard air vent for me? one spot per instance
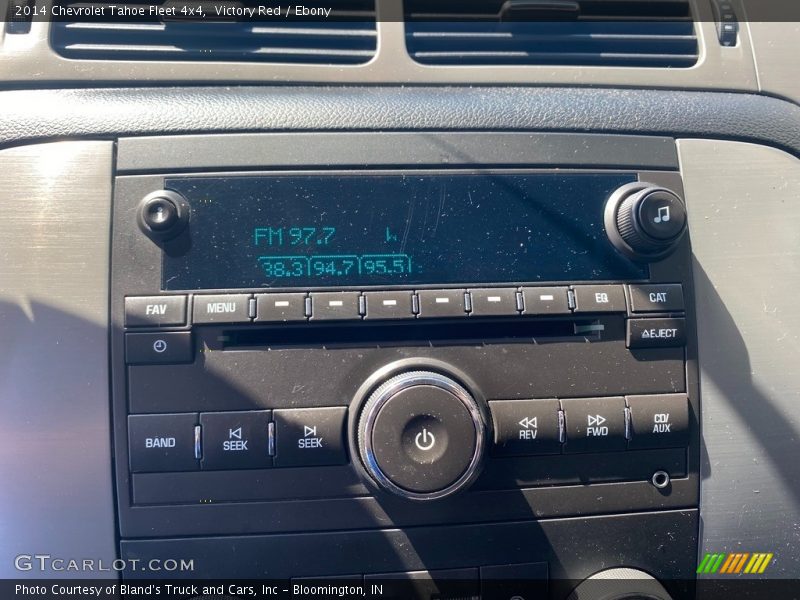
(347, 36)
(622, 33)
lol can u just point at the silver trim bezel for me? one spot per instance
(386, 392)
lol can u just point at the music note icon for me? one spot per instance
(662, 216)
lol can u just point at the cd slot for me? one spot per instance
(415, 333)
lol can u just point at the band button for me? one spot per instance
(162, 442)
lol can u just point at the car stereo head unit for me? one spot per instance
(323, 350)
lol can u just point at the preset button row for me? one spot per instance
(255, 439)
(548, 426)
(156, 311)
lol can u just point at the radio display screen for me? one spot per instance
(407, 229)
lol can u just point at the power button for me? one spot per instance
(421, 435)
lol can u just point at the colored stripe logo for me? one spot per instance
(734, 563)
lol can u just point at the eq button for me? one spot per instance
(599, 298)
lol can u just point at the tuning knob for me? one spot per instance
(645, 221)
(622, 583)
(421, 436)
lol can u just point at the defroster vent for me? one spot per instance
(620, 33)
(346, 36)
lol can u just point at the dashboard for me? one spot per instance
(382, 302)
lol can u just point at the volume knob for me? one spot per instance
(645, 221)
(421, 436)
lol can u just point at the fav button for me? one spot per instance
(236, 440)
(155, 311)
(525, 427)
(228, 308)
(595, 424)
(162, 442)
(309, 436)
(659, 421)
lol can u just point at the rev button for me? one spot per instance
(236, 440)
(523, 427)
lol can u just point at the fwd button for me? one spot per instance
(595, 424)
